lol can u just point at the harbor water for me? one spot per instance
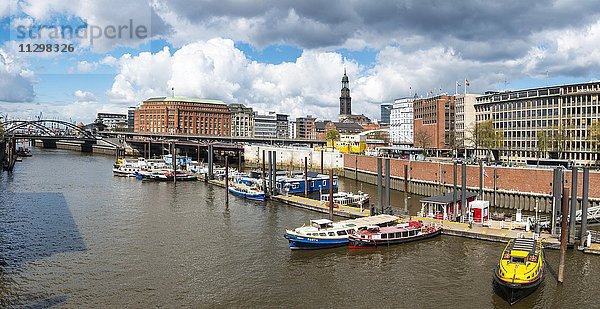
(72, 235)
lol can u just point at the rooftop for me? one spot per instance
(447, 198)
(184, 99)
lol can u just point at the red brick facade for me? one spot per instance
(434, 117)
(183, 116)
(509, 179)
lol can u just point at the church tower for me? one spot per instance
(345, 99)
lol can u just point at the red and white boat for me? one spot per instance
(375, 236)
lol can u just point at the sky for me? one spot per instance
(282, 55)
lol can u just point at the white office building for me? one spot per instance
(401, 122)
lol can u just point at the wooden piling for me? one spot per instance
(174, 162)
(306, 176)
(387, 184)
(573, 208)
(226, 179)
(584, 207)
(563, 234)
(331, 194)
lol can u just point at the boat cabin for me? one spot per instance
(442, 206)
(321, 223)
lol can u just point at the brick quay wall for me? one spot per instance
(515, 187)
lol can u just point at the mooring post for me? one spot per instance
(331, 194)
(557, 185)
(322, 153)
(387, 184)
(274, 187)
(210, 162)
(198, 154)
(573, 210)
(174, 162)
(239, 154)
(306, 176)
(356, 167)
(270, 186)
(464, 212)
(584, 207)
(226, 179)
(495, 186)
(149, 149)
(264, 176)
(455, 193)
(379, 184)
(481, 179)
(563, 234)
(405, 187)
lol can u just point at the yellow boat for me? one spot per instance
(521, 269)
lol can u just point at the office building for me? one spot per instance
(434, 122)
(131, 118)
(386, 110)
(183, 116)
(306, 128)
(283, 130)
(465, 119)
(112, 121)
(242, 120)
(401, 121)
(547, 122)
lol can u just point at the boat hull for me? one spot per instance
(512, 292)
(307, 243)
(250, 196)
(372, 243)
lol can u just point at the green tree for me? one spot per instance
(543, 141)
(593, 135)
(485, 136)
(332, 135)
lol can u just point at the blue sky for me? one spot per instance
(289, 56)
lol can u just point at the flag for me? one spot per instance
(458, 84)
(485, 173)
(467, 82)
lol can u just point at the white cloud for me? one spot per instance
(84, 97)
(16, 81)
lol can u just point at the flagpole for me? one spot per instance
(465, 81)
(455, 87)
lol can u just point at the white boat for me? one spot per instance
(323, 233)
(347, 199)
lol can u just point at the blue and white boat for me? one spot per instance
(242, 190)
(323, 233)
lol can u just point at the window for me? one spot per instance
(331, 234)
(384, 236)
(322, 234)
(342, 233)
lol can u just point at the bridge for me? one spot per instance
(47, 133)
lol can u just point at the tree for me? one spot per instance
(423, 139)
(543, 141)
(332, 135)
(485, 136)
(593, 135)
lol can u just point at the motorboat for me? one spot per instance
(245, 191)
(520, 270)
(324, 233)
(375, 236)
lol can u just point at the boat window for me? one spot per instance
(350, 231)
(322, 234)
(519, 260)
(331, 234)
(412, 233)
(324, 182)
(342, 233)
(384, 236)
(398, 235)
(404, 234)
(295, 186)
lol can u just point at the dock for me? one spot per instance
(496, 231)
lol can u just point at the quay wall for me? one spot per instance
(515, 187)
(293, 157)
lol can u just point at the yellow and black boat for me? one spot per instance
(521, 269)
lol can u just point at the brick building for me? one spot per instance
(434, 119)
(186, 116)
(306, 128)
